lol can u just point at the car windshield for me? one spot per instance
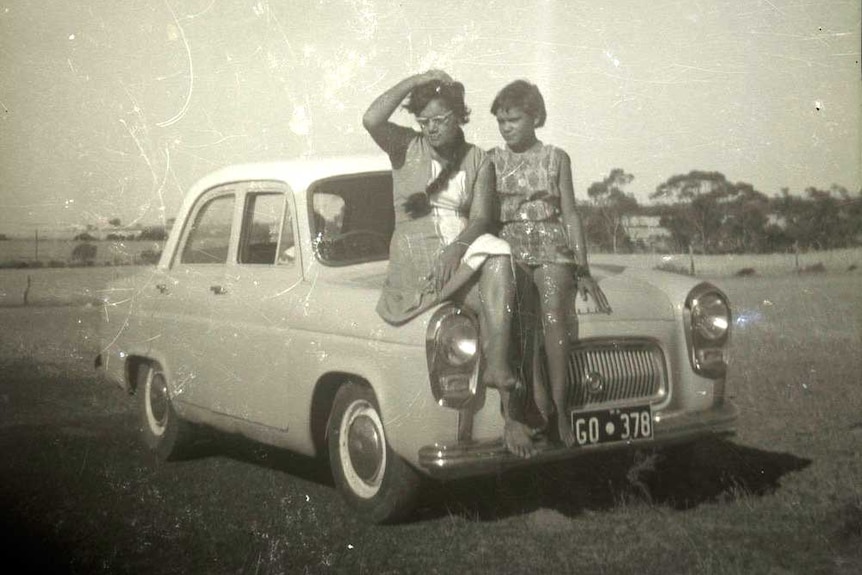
(352, 218)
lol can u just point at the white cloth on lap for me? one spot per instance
(482, 248)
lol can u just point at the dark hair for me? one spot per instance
(524, 95)
(419, 204)
(452, 93)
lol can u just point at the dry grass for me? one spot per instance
(61, 286)
(784, 497)
(834, 261)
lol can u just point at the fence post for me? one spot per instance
(796, 255)
(690, 260)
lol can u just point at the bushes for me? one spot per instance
(20, 265)
(150, 257)
(817, 268)
(84, 254)
(145, 259)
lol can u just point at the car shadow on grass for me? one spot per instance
(211, 443)
(682, 477)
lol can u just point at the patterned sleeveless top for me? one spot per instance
(528, 195)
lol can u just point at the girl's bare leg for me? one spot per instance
(555, 285)
(494, 302)
(497, 294)
(516, 435)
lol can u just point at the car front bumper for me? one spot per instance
(450, 461)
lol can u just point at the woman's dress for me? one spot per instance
(418, 240)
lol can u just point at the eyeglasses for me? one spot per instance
(435, 120)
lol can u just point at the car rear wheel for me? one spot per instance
(164, 433)
(377, 483)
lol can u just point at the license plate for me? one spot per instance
(610, 425)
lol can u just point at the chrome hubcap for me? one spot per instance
(365, 447)
(362, 449)
(157, 400)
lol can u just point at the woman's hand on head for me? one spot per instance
(436, 75)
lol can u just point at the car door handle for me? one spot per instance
(163, 288)
(218, 290)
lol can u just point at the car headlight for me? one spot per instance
(458, 340)
(710, 316)
(707, 323)
(452, 349)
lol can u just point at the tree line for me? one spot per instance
(700, 211)
(706, 213)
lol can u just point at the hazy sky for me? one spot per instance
(112, 109)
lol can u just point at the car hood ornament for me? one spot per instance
(594, 382)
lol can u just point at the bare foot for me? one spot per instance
(499, 378)
(565, 430)
(518, 439)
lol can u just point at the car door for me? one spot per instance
(192, 294)
(266, 295)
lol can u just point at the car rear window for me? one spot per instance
(352, 218)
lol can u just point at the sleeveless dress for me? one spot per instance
(528, 195)
(418, 241)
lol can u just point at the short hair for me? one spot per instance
(452, 93)
(524, 95)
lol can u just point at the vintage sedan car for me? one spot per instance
(259, 319)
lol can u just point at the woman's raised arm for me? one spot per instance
(376, 117)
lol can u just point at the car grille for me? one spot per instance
(616, 372)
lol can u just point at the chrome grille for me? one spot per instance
(607, 372)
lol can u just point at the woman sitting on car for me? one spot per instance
(441, 248)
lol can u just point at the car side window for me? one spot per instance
(286, 244)
(267, 230)
(209, 237)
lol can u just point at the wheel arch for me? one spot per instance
(133, 366)
(322, 402)
(152, 357)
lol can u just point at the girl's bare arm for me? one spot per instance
(577, 236)
(571, 218)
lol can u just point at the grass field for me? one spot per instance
(53, 286)
(785, 496)
(728, 265)
(86, 284)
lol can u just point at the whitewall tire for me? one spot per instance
(163, 432)
(377, 483)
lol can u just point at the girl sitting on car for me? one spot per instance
(441, 248)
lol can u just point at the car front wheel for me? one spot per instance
(377, 483)
(164, 433)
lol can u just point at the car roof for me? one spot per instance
(297, 173)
